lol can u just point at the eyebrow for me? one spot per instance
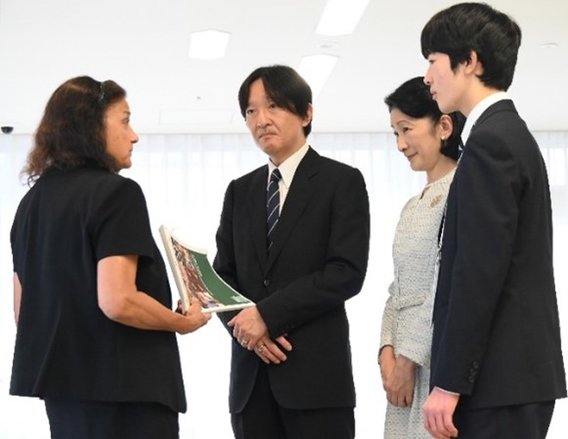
(401, 121)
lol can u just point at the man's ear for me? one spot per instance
(473, 64)
(308, 117)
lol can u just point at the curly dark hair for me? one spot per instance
(71, 132)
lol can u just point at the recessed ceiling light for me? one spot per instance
(328, 45)
(340, 17)
(549, 45)
(208, 44)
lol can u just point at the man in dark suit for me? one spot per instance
(497, 365)
(291, 374)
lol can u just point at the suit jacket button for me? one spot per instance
(471, 379)
(475, 364)
(266, 282)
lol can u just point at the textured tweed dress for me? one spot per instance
(407, 317)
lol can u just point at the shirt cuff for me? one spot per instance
(448, 391)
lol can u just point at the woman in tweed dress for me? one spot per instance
(430, 141)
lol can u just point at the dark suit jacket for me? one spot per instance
(496, 327)
(318, 260)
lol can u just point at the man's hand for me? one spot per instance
(438, 411)
(252, 333)
(248, 327)
(271, 351)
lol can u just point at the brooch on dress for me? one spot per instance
(436, 200)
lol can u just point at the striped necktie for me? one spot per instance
(272, 204)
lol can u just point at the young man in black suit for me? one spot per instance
(298, 247)
(497, 365)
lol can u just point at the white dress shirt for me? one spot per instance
(287, 169)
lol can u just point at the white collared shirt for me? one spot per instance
(287, 169)
(478, 110)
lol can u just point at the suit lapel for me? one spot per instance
(257, 214)
(299, 195)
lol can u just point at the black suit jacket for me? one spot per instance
(496, 327)
(318, 260)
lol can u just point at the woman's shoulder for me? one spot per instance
(103, 180)
(447, 179)
(442, 185)
(98, 187)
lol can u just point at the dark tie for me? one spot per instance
(272, 204)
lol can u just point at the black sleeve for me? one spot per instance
(120, 223)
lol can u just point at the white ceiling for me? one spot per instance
(143, 45)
